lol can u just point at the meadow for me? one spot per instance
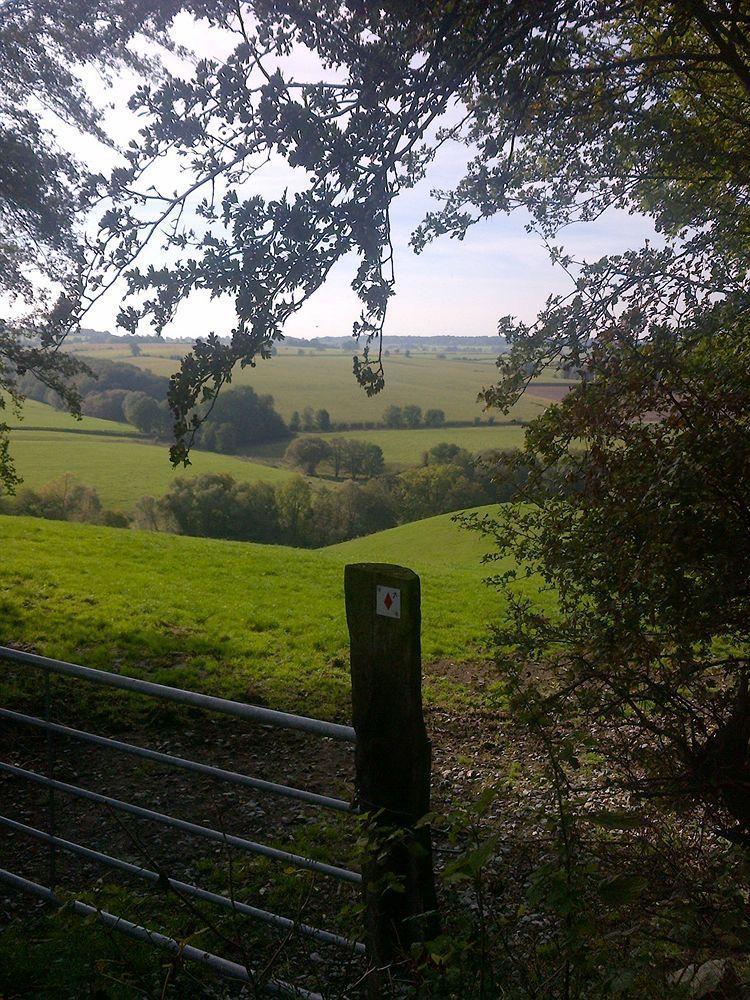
(406, 447)
(122, 469)
(122, 466)
(259, 623)
(323, 379)
(37, 416)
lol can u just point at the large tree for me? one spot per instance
(568, 109)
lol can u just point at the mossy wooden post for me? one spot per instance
(383, 614)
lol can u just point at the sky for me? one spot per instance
(459, 288)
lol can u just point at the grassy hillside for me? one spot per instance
(40, 416)
(122, 469)
(323, 379)
(422, 545)
(262, 623)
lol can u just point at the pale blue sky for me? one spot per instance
(451, 288)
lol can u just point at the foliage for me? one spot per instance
(307, 453)
(241, 419)
(43, 187)
(100, 375)
(446, 452)
(219, 507)
(352, 511)
(359, 141)
(294, 507)
(63, 499)
(360, 458)
(432, 488)
(650, 555)
(107, 405)
(143, 412)
(412, 415)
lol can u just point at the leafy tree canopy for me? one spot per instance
(44, 188)
(567, 109)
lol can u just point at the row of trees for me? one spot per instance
(294, 513)
(63, 499)
(112, 390)
(310, 420)
(408, 417)
(355, 459)
(101, 386)
(411, 417)
(291, 513)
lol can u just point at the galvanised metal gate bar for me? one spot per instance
(207, 832)
(162, 692)
(313, 798)
(230, 970)
(392, 765)
(284, 923)
(266, 716)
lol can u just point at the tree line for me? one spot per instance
(293, 512)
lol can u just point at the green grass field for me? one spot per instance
(256, 622)
(406, 447)
(47, 442)
(39, 416)
(324, 379)
(121, 469)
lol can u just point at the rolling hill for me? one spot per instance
(37, 416)
(122, 469)
(257, 622)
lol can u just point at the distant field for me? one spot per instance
(251, 621)
(121, 469)
(324, 379)
(35, 416)
(407, 447)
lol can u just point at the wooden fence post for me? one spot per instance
(383, 613)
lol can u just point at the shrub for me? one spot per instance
(240, 418)
(216, 506)
(412, 415)
(143, 412)
(107, 405)
(393, 417)
(64, 499)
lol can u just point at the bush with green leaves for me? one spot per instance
(145, 413)
(64, 499)
(307, 453)
(241, 419)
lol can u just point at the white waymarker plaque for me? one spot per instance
(388, 602)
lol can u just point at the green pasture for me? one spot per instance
(39, 416)
(406, 447)
(121, 469)
(324, 380)
(256, 622)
